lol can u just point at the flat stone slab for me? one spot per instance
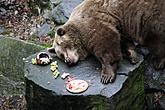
(88, 70)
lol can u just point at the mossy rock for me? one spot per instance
(12, 65)
(132, 95)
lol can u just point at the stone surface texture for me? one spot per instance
(88, 70)
(40, 78)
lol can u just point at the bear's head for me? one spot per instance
(68, 44)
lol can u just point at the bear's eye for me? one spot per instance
(62, 56)
(60, 31)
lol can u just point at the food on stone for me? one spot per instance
(56, 74)
(64, 75)
(54, 69)
(34, 61)
(43, 58)
(77, 86)
(54, 64)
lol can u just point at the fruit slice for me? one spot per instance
(77, 86)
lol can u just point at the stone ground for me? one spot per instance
(88, 70)
(41, 83)
(12, 103)
(17, 20)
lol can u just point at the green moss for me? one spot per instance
(97, 103)
(11, 64)
(51, 33)
(33, 37)
(46, 45)
(132, 96)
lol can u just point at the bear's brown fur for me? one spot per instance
(96, 27)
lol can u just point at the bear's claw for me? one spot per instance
(159, 64)
(106, 78)
(134, 60)
(133, 57)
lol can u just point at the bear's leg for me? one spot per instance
(158, 51)
(133, 57)
(108, 73)
(155, 40)
(128, 50)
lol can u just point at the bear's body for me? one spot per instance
(96, 27)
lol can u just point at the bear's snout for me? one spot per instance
(70, 62)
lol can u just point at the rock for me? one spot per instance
(155, 100)
(37, 6)
(55, 2)
(57, 15)
(12, 103)
(162, 102)
(47, 14)
(2, 10)
(11, 64)
(131, 96)
(155, 88)
(55, 10)
(97, 96)
(155, 79)
(43, 30)
(154, 83)
(2, 30)
(61, 12)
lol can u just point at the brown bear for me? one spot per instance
(97, 27)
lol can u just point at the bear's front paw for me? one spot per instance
(159, 63)
(134, 58)
(107, 75)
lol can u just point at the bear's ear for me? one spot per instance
(60, 31)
